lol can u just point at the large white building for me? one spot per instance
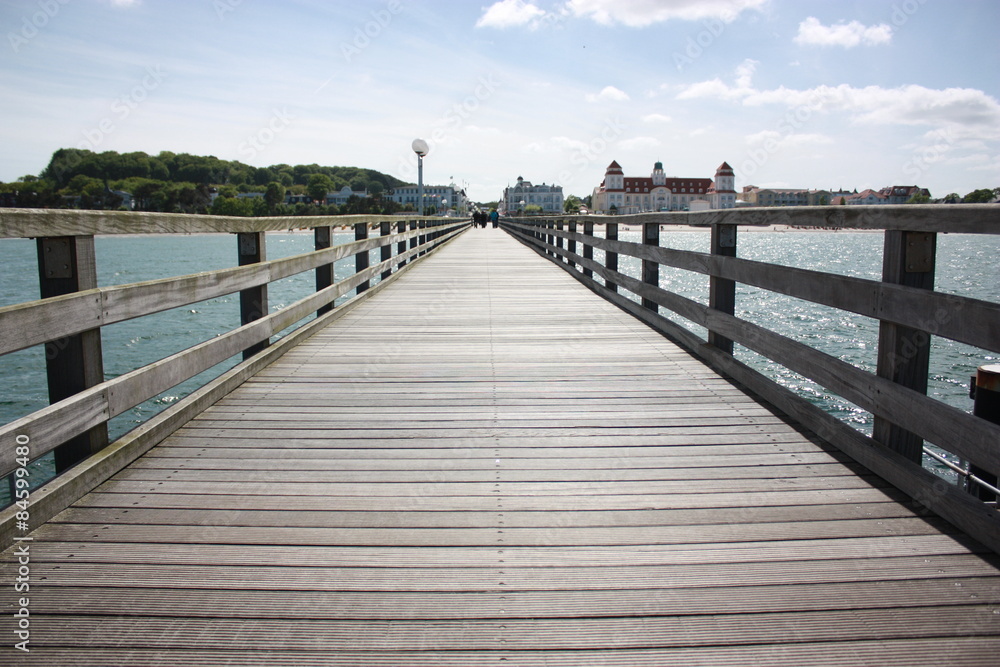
(623, 194)
(524, 194)
(441, 197)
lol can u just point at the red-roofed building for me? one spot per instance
(658, 192)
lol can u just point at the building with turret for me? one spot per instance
(623, 194)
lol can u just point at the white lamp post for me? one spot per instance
(420, 148)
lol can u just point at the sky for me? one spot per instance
(820, 94)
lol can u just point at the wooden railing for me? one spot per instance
(68, 322)
(907, 309)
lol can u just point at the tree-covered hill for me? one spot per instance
(178, 181)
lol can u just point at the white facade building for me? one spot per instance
(441, 197)
(516, 199)
(657, 192)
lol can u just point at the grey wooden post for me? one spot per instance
(361, 258)
(422, 239)
(414, 240)
(385, 229)
(323, 237)
(253, 300)
(986, 394)
(903, 352)
(67, 264)
(650, 269)
(571, 243)
(588, 250)
(722, 292)
(401, 246)
(611, 258)
(559, 241)
(550, 238)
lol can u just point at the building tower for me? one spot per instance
(614, 177)
(659, 178)
(725, 186)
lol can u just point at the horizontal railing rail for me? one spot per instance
(908, 311)
(73, 316)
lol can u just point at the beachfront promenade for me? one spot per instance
(485, 463)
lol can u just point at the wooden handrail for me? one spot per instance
(904, 413)
(37, 322)
(979, 326)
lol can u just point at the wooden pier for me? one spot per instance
(486, 464)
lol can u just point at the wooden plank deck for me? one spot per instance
(486, 464)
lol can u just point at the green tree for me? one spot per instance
(319, 185)
(919, 199)
(274, 195)
(982, 196)
(953, 198)
(572, 204)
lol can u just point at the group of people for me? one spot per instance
(481, 218)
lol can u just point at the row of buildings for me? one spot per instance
(896, 194)
(624, 195)
(441, 197)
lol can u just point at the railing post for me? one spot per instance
(253, 300)
(650, 269)
(361, 258)
(721, 291)
(67, 264)
(588, 250)
(611, 258)
(401, 246)
(986, 393)
(559, 242)
(550, 239)
(414, 240)
(904, 353)
(422, 239)
(323, 237)
(385, 229)
(571, 243)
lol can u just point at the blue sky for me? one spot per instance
(792, 93)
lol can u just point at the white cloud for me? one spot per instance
(716, 88)
(776, 140)
(568, 143)
(511, 14)
(642, 13)
(639, 142)
(125, 3)
(967, 111)
(847, 35)
(656, 118)
(609, 94)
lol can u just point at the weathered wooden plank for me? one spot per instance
(514, 557)
(523, 634)
(201, 602)
(33, 223)
(734, 501)
(497, 536)
(962, 652)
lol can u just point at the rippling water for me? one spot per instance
(967, 265)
